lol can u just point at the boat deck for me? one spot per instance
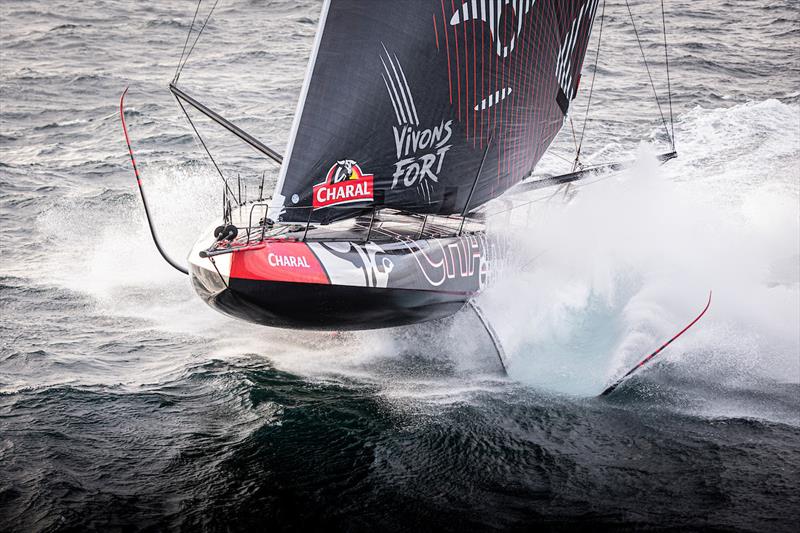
(381, 226)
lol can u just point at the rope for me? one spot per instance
(558, 156)
(218, 272)
(202, 142)
(186, 42)
(669, 88)
(488, 215)
(647, 67)
(594, 75)
(199, 33)
(576, 163)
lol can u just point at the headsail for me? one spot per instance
(402, 100)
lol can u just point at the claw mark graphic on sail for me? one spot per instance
(399, 92)
(491, 11)
(493, 99)
(564, 62)
(420, 151)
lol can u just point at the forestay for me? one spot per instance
(404, 100)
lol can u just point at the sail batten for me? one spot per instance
(396, 111)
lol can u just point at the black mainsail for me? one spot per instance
(429, 106)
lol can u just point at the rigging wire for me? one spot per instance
(186, 42)
(184, 58)
(666, 63)
(647, 67)
(594, 75)
(558, 156)
(500, 212)
(202, 142)
(576, 163)
(199, 33)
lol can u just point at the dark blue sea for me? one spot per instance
(128, 405)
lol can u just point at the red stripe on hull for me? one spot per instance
(279, 261)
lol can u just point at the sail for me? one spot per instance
(429, 106)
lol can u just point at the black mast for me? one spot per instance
(228, 125)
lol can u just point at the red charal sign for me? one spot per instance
(345, 183)
(279, 261)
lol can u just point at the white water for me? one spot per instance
(630, 260)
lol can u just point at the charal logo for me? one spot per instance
(280, 261)
(287, 261)
(345, 183)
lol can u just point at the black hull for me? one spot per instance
(336, 285)
(331, 307)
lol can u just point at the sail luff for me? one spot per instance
(278, 200)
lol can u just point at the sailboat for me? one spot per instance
(413, 116)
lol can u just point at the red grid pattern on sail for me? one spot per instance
(509, 99)
(474, 84)
(458, 63)
(436, 32)
(466, 77)
(447, 44)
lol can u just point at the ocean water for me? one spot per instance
(126, 404)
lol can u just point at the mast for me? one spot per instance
(278, 200)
